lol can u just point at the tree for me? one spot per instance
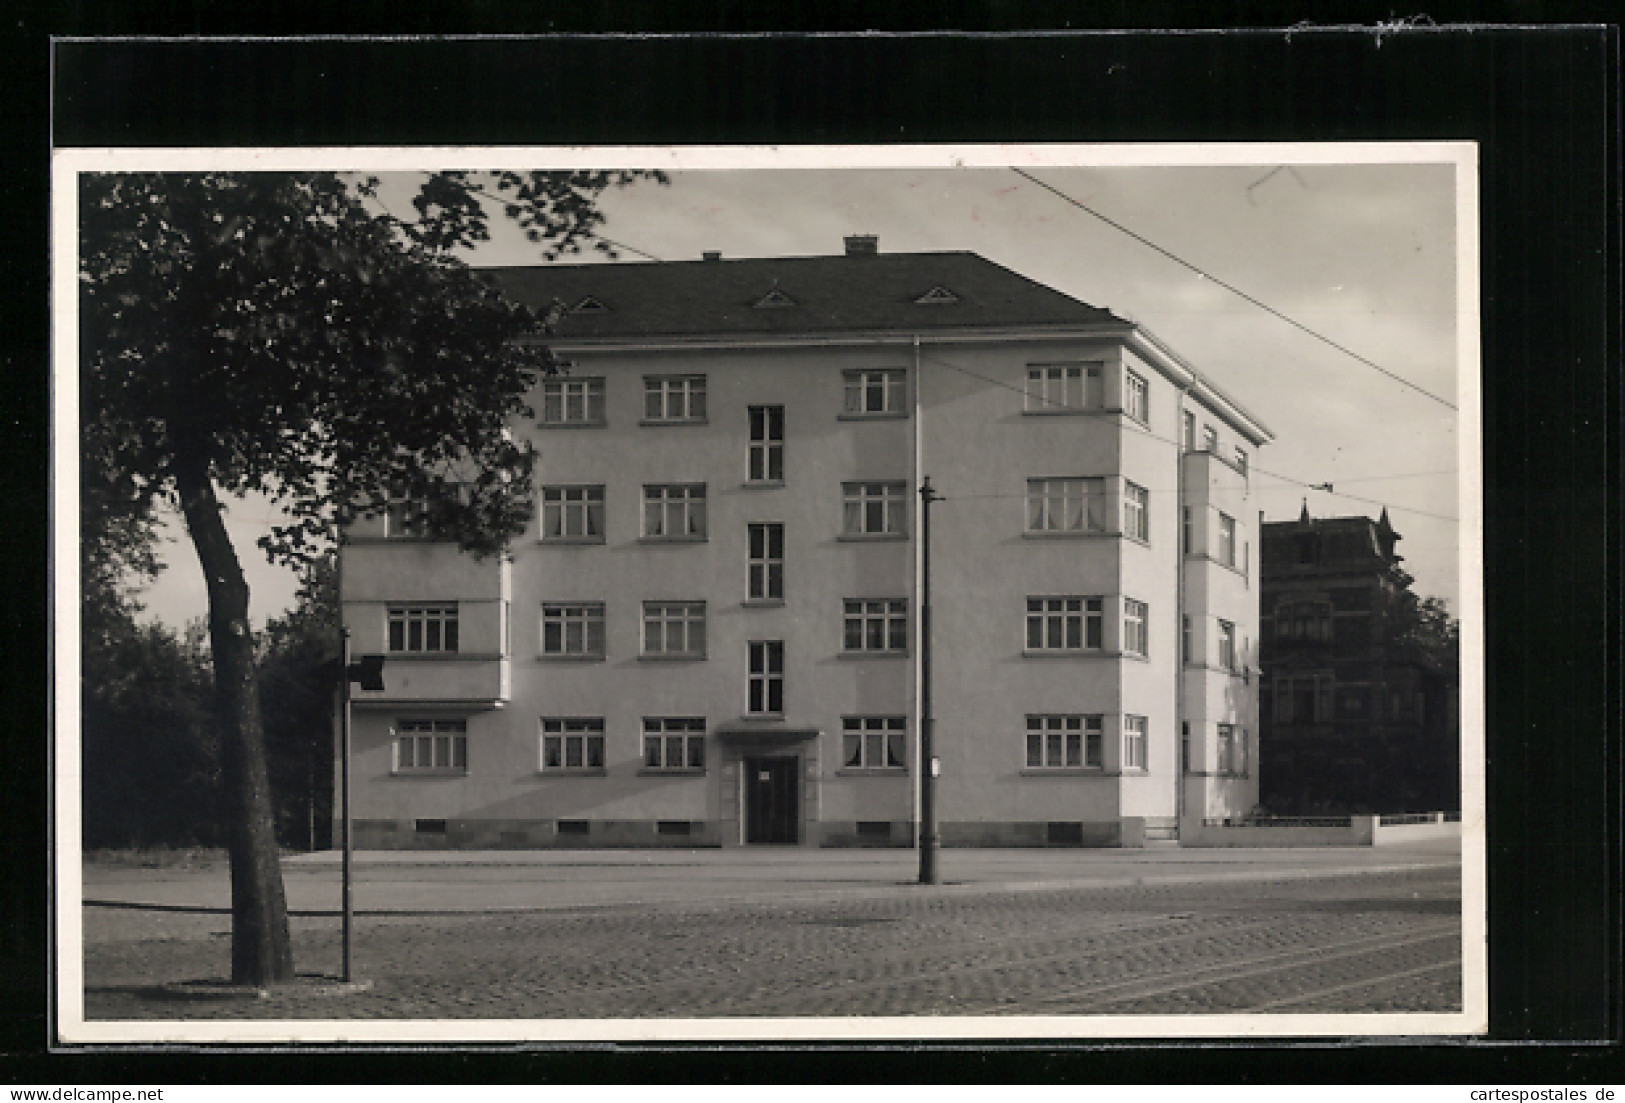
(285, 334)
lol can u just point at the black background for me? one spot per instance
(1542, 101)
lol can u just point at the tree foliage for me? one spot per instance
(285, 334)
(299, 653)
(280, 328)
(148, 752)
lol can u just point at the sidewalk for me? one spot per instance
(458, 882)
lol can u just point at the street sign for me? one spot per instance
(367, 671)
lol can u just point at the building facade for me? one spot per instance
(710, 635)
(1357, 716)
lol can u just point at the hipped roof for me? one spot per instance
(830, 294)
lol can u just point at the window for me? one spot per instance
(1210, 439)
(766, 691)
(1066, 505)
(766, 562)
(1227, 645)
(423, 628)
(1059, 388)
(1064, 623)
(573, 630)
(674, 512)
(873, 509)
(1241, 460)
(572, 402)
(674, 629)
(431, 747)
(766, 444)
(1303, 699)
(673, 398)
(1064, 742)
(406, 518)
(874, 391)
(1227, 540)
(1136, 400)
(674, 743)
(1187, 433)
(1185, 639)
(1304, 620)
(1134, 626)
(1230, 750)
(573, 513)
(1187, 527)
(873, 742)
(1135, 503)
(576, 744)
(876, 627)
(1133, 742)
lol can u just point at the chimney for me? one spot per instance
(711, 254)
(862, 245)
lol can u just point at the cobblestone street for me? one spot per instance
(1371, 942)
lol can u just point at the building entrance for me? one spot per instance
(772, 800)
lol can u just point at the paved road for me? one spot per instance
(1148, 933)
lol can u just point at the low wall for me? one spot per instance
(1319, 831)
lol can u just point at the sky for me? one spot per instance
(1364, 254)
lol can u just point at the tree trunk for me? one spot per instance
(261, 952)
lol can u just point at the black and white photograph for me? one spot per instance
(674, 593)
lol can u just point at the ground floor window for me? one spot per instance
(431, 747)
(874, 742)
(1060, 742)
(673, 743)
(573, 744)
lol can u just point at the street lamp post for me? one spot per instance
(928, 760)
(344, 785)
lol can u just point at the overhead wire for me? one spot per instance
(1234, 290)
(1128, 424)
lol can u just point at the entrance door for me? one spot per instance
(772, 800)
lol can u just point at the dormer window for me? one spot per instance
(774, 298)
(589, 305)
(937, 296)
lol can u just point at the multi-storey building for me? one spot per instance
(1357, 716)
(710, 635)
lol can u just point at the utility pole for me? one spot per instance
(928, 758)
(344, 784)
(368, 671)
